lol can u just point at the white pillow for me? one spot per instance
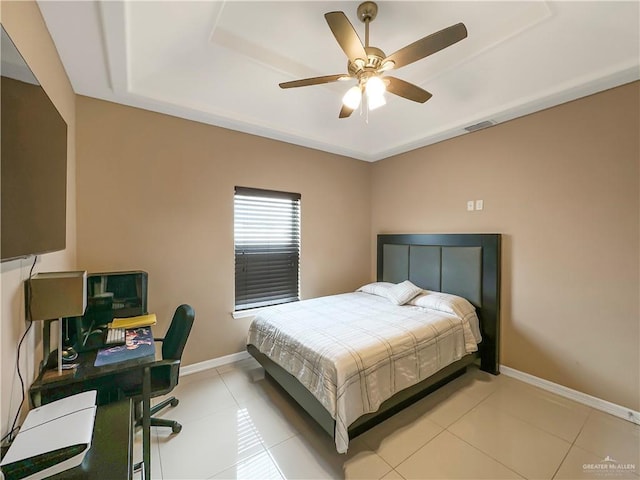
(403, 292)
(443, 302)
(376, 288)
(448, 303)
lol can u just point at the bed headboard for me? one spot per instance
(467, 265)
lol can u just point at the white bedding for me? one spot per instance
(353, 351)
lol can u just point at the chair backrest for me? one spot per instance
(178, 333)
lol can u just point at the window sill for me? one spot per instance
(249, 313)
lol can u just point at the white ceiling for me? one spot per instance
(221, 62)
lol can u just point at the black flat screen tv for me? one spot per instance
(33, 170)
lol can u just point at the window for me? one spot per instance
(267, 247)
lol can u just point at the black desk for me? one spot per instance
(85, 377)
(111, 452)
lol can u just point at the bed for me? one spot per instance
(354, 359)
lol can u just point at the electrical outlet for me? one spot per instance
(479, 204)
(470, 206)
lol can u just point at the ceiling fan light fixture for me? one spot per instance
(352, 98)
(375, 101)
(375, 87)
(387, 65)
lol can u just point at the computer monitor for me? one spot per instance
(109, 295)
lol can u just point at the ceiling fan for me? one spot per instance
(367, 64)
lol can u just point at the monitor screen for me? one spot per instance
(116, 295)
(109, 295)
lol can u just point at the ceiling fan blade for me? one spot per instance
(407, 90)
(428, 45)
(346, 35)
(345, 111)
(312, 81)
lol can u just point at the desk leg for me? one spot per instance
(146, 423)
(60, 346)
(46, 343)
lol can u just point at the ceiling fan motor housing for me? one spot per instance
(374, 59)
(367, 11)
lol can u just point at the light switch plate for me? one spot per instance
(479, 204)
(470, 205)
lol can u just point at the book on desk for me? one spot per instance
(146, 320)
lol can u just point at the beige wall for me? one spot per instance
(156, 193)
(562, 185)
(24, 24)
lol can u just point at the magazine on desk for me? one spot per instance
(138, 344)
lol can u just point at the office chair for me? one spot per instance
(165, 372)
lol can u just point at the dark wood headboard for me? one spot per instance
(467, 265)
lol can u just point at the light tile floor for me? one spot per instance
(237, 424)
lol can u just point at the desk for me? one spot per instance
(111, 452)
(86, 377)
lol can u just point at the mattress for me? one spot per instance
(355, 350)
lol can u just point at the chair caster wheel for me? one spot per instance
(176, 428)
(174, 402)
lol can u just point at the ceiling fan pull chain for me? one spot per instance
(366, 118)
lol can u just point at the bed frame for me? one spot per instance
(462, 264)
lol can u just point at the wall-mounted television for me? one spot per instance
(33, 169)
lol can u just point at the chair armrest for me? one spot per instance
(164, 377)
(165, 372)
(164, 363)
(165, 368)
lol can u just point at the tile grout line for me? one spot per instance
(237, 405)
(431, 440)
(411, 454)
(157, 444)
(266, 449)
(587, 449)
(536, 426)
(272, 458)
(572, 444)
(488, 456)
(388, 464)
(259, 438)
(531, 425)
(447, 430)
(476, 448)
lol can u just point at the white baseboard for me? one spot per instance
(213, 363)
(585, 399)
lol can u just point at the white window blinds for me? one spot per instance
(267, 247)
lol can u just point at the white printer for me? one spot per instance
(53, 438)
